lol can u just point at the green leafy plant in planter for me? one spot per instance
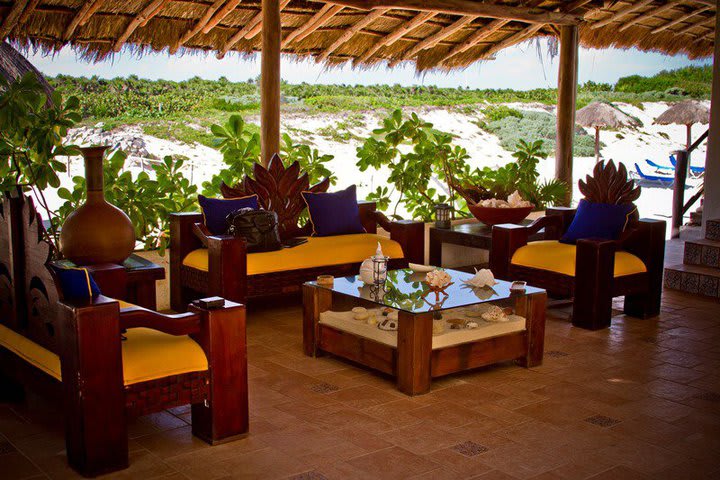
(147, 201)
(521, 175)
(32, 129)
(241, 150)
(415, 154)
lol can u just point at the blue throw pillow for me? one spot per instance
(598, 220)
(334, 213)
(75, 282)
(216, 209)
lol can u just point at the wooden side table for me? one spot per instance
(475, 235)
(133, 281)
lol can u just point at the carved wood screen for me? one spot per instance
(610, 184)
(27, 288)
(279, 189)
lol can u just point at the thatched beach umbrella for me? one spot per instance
(13, 66)
(600, 114)
(687, 112)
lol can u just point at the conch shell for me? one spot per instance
(438, 278)
(482, 278)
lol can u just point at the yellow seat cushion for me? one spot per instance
(317, 252)
(147, 354)
(560, 257)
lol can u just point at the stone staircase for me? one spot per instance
(700, 271)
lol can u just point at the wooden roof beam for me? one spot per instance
(395, 35)
(12, 18)
(152, 9)
(477, 37)
(83, 16)
(621, 13)
(680, 19)
(250, 30)
(220, 15)
(433, 40)
(25, 16)
(468, 7)
(652, 13)
(350, 32)
(199, 25)
(323, 15)
(709, 23)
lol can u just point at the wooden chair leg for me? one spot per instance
(643, 306)
(594, 268)
(95, 423)
(222, 336)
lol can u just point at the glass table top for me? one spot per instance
(406, 290)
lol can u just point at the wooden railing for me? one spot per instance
(679, 207)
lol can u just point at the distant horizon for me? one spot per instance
(521, 67)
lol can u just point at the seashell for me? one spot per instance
(388, 325)
(393, 316)
(366, 272)
(360, 313)
(482, 278)
(372, 320)
(438, 278)
(495, 314)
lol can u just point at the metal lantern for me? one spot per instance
(380, 263)
(442, 215)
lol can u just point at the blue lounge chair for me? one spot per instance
(657, 166)
(693, 170)
(664, 180)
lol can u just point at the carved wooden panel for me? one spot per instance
(609, 184)
(41, 294)
(8, 302)
(278, 189)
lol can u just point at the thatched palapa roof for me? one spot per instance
(686, 112)
(13, 66)
(439, 34)
(601, 114)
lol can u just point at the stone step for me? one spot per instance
(702, 252)
(712, 231)
(693, 279)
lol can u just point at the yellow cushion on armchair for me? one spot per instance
(559, 257)
(317, 252)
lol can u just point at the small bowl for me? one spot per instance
(494, 216)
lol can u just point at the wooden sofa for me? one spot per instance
(593, 271)
(74, 352)
(202, 264)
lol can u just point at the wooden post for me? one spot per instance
(681, 169)
(567, 90)
(270, 80)
(711, 205)
(597, 144)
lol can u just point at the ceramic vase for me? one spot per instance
(97, 232)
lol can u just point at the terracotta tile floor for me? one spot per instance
(639, 400)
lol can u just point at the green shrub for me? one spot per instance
(496, 113)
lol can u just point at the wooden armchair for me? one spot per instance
(108, 360)
(202, 264)
(592, 271)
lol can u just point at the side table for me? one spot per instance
(133, 281)
(475, 235)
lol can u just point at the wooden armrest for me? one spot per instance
(506, 239)
(410, 234)
(179, 324)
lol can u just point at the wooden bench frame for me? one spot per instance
(86, 335)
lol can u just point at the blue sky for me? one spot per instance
(518, 67)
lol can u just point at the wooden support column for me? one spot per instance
(711, 205)
(567, 90)
(270, 80)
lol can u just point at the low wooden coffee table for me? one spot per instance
(412, 354)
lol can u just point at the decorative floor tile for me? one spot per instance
(6, 447)
(711, 256)
(602, 421)
(708, 286)
(693, 253)
(309, 476)
(470, 449)
(708, 397)
(690, 282)
(324, 388)
(556, 354)
(673, 279)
